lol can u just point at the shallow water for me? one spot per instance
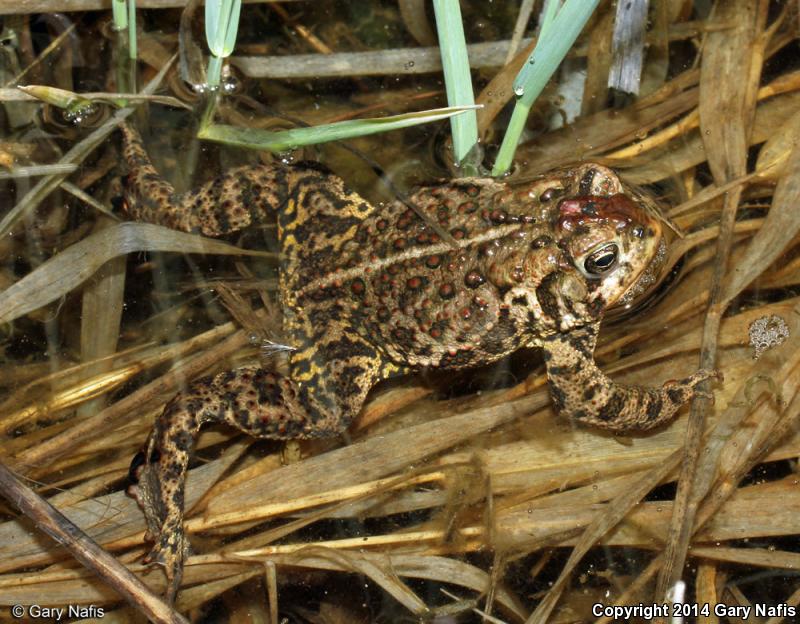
(449, 487)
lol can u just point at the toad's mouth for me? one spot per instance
(649, 278)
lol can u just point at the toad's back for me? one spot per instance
(425, 301)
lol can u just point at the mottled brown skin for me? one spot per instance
(370, 293)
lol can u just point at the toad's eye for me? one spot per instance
(602, 260)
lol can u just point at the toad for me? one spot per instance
(369, 293)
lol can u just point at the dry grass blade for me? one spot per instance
(774, 155)
(523, 17)
(773, 420)
(70, 268)
(737, 53)
(598, 62)
(404, 61)
(89, 200)
(706, 586)
(779, 229)
(73, 385)
(784, 84)
(27, 93)
(759, 557)
(339, 496)
(191, 58)
(54, 45)
(687, 151)
(94, 386)
(36, 170)
(628, 46)
(103, 300)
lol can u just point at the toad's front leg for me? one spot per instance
(583, 392)
(260, 403)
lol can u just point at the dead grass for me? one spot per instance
(494, 475)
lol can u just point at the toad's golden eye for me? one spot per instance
(602, 260)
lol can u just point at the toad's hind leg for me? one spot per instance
(323, 399)
(226, 204)
(259, 402)
(311, 202)
(581, 391)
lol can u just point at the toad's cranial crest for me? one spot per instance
(370, 293)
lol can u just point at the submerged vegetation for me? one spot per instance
(462, 496)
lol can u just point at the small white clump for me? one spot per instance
(767, 332)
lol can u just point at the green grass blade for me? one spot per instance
(61, 98)
(232, 28)
(555, 40)
(554, 43)
(77, 102)
(548, 15)
(132, 45)
(120, 16)
(458, 82)
(284, 140)
(214, 71)
(212, 17)
(222, 25)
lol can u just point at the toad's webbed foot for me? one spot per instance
(171, 548)
(582, 392)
